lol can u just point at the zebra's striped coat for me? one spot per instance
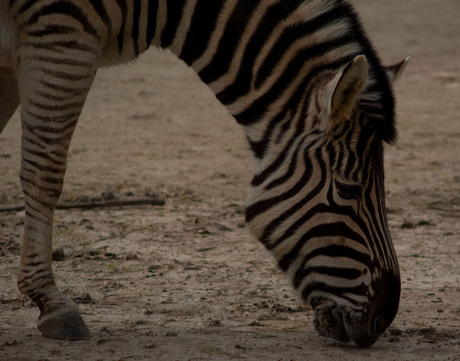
(299, 76)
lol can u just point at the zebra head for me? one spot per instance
(317, 203)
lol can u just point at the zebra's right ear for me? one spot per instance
(344, 90)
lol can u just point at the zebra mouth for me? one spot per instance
(329, 321)
(346, 325)
(362, 325)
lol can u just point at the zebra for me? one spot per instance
(310, 93)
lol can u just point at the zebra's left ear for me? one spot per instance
(344, 90)
(395, 71)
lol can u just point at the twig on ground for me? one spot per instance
(97, 204)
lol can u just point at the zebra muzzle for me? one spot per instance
(344, 326)
(365, 325)
(329, 321)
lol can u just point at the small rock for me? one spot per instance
(58, 255)
(213, 322)
(86, 298)
(408, 225)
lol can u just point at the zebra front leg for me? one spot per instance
(59, 316)
(52, 94)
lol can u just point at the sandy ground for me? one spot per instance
(185, 281)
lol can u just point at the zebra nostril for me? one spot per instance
(380, 325)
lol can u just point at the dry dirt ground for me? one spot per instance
(185, 281)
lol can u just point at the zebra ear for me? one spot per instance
(395, 71)
(346, 87)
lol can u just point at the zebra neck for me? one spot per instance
(224, 41)
(260, 57)
(246, 52)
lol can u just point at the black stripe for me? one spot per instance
(34, 264)
(64, 89)
(174, 14)
(330, 150)
(339, 251)
(66, 61)
(350, 163)
(362, 289)
(66, 76)
(26, 6)
(204, 20)
(53, 130)
(34, 274)
(33, 216)
(362, 148)
(52, 29)
(98, 5)
(346, 273)
(135, 25)
(55, 45)
(124, 12)
(57, 98)
(57, 108)
(374, 219)
(151, 20)
(55, 118)
(41, 167)
(233, 32)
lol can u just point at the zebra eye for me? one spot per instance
(348, 191)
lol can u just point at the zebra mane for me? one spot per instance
(378, 104)
(377, 101)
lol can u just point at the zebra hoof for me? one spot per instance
(64, 326)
